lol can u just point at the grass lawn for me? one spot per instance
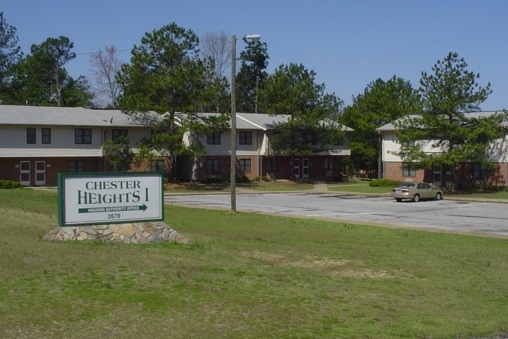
(247, 276)
(254, 186)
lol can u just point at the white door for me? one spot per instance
(305, 168)
(24, 173)
(296, 168)
(40, 173)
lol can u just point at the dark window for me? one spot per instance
(157, 166)
(271, 165)
(408, 143)
(309, 138)
(76, 166)
(480, 172)
(213, 139)
(117, 133)
(82, 136)
(245, 164)
(329, 163)
(212, 165)
(30, 135)
(46, 135)
(245, 138)
(408, 170)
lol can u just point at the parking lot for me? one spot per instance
(485, 218)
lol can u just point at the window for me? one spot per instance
(213, 139)
(408, 170)
(245, 138)
(117, 133)
(408, 143)
(271, 165)
(245, 164)
(30, 135)
(82, 136)
(480, 172)
(76, 166)
(328, 163)
(212, 165)
(309, 138)
(157, 166)
(46, 135)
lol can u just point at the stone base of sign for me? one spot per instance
(135, 233)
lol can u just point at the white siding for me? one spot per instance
(391, 147)
(498, 150)
(13, 142)
(259, 141)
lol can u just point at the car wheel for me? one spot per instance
(416, 198)
(439, 196)
(398, 199)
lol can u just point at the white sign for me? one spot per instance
(107, 198)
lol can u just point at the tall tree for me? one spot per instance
(312, 125)
(41, 77)
(449, 95)
(10, 53)
(166, 75)
(251, 77)
(76, 92)
(105, 65)
(215, 47)
(381, 102)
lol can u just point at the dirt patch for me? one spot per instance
(337, 268)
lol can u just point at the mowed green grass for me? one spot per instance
(247, 276)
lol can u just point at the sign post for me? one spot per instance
(109, 198)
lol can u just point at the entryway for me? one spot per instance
(301, 168)
(25, 173)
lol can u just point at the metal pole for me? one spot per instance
(233, 123)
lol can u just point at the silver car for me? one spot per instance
(416, 191)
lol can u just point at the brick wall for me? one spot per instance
(393, 171)
(9, 168)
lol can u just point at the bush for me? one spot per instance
(211, 180)
(474, 187)
(242, 180)
(384, 183)
(5, 184)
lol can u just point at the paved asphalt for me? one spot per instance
(457, 216)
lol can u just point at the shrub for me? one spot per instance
(212, 180)
(384, 183)
(242, 180)
(9, 184)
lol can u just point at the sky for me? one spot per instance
(347, 43)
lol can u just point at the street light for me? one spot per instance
(253, 37)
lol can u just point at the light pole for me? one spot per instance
(254, 37)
